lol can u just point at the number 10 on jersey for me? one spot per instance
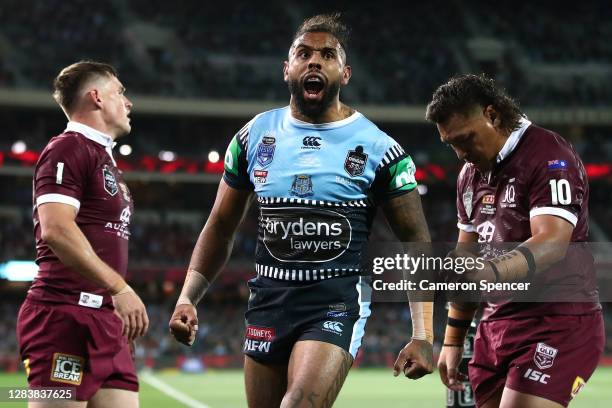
(560, 191)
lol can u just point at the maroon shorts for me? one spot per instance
(74, 346)
(549, 356)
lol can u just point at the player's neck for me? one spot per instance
(335, 112)
(94, 122)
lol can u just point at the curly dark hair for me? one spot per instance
(68, 83)
(326, 23)
(463, 93)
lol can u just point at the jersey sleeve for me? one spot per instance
(465, 202)
(558, 185)
(395, 175)
(61, 173)
(236, 166)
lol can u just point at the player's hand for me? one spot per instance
(448, 367)
(132, 313)
(415, 360)
(184, 323)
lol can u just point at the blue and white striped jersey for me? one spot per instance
(317, 186)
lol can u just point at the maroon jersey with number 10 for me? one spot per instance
(537, 173)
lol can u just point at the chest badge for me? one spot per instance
(355, 162)
(265, 150)
(301, 186)
(110, 183)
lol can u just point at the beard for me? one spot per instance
(313, 109)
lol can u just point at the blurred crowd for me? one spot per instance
(220, 337)
(399, 56)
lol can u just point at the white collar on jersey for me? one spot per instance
(91, 133)
(513, 139)
(329, 125)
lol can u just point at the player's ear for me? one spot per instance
(493, 116)
(94, 97)
(286, 71)
(347, 71)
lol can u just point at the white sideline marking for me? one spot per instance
(171, 392)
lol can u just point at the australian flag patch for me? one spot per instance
(557, 165)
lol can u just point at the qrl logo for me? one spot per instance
(544, 356)
(67, 369)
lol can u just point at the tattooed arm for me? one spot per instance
(405, 215)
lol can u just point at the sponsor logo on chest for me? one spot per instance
(311, 143)
(488, 204)
(295, 234)
(509, 196)
(260, 176)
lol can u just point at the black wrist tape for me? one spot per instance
(530, 261)
(462, 324)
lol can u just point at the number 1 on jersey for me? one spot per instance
(560, 191)
(60, 172)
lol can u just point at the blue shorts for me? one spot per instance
(281, 313)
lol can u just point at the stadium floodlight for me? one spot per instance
(167, 156)
(19, 147)
(213, 156)
(18, 271)
(125, 150)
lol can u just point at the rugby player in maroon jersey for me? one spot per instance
(79, 315)
(521, 184)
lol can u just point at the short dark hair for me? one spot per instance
(463, 93)
(67, 84)
(326, 23)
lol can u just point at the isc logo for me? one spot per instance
(67, 369)
(536, 376)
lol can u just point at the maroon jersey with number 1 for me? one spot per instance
(68, 333)
(77, 168)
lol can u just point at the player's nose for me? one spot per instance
(315, 61)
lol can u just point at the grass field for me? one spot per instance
(363, 388)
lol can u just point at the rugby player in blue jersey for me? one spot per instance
(317, 169)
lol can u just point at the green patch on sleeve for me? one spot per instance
(402, 175)
(231, 157)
